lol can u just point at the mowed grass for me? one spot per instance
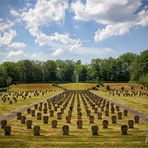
(138, 103)
(111, 137)
(6, 107)
(77, 86)
(127, 86)
(42, 86)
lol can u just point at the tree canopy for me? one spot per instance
(127, 67)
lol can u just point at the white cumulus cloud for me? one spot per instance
(118, 16)
(14, 13)
(18, 53)
(105, 11)
(17, 45)
(143, 18)
(5, 26)
(45, 11)
(57, 52)
(112, 30)
(6, 37)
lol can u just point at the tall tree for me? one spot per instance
(11, 70)
(49, 71)
(3, 77)
(84, 73)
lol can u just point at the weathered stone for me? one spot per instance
(29, 124)
(65, 130)
(3, 123)
(125, 112)
(114, 119)
(45, 110)
(39, 116)
(124, 129)
(106, 112)
(105, 123)
(36, 130)
(78, 109)
(51, 113)
(68, 119)
(91, 119)
(95, 129)
(70, 113)
(95, 110)
(35, 106)
(102, 108)
(119, 115)
(131, 123)
(54, 123)
(136, 119)
(28, 110)
(40, 108)
(88, 112)
(45, 119)
(62, 110)
(59, 116)
(7, 130)
(117, 108)
(33, 113)
(99, 115)
(79, 124)
(10, 102)
(19, 115)
(23, 119)
(79, 115)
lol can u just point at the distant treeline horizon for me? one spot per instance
(127, 67)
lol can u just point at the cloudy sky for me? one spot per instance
(72, 29)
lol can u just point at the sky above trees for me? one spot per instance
(72, 29)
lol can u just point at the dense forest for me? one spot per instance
(125, 68)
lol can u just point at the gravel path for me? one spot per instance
(143, 117)
(22, 110)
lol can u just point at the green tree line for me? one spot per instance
(125, 68)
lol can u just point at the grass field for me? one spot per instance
(111, 137)
(127, 86)
(77, 86)
(139, 103)
(6, 108)
(43, 86)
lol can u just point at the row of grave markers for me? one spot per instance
(61, 102)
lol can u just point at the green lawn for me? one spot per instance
(139, 103)
(6, 108)
(111, 137)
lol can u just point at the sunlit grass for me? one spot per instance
(139, 103)
(110, 137)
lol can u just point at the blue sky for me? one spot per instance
(72, 29)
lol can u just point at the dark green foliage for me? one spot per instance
(3, 89)
(127, 67)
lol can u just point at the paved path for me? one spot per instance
(143, 117)
(22, 110)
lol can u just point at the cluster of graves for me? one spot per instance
(13, 97)
(127, 93)
(63, 104)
